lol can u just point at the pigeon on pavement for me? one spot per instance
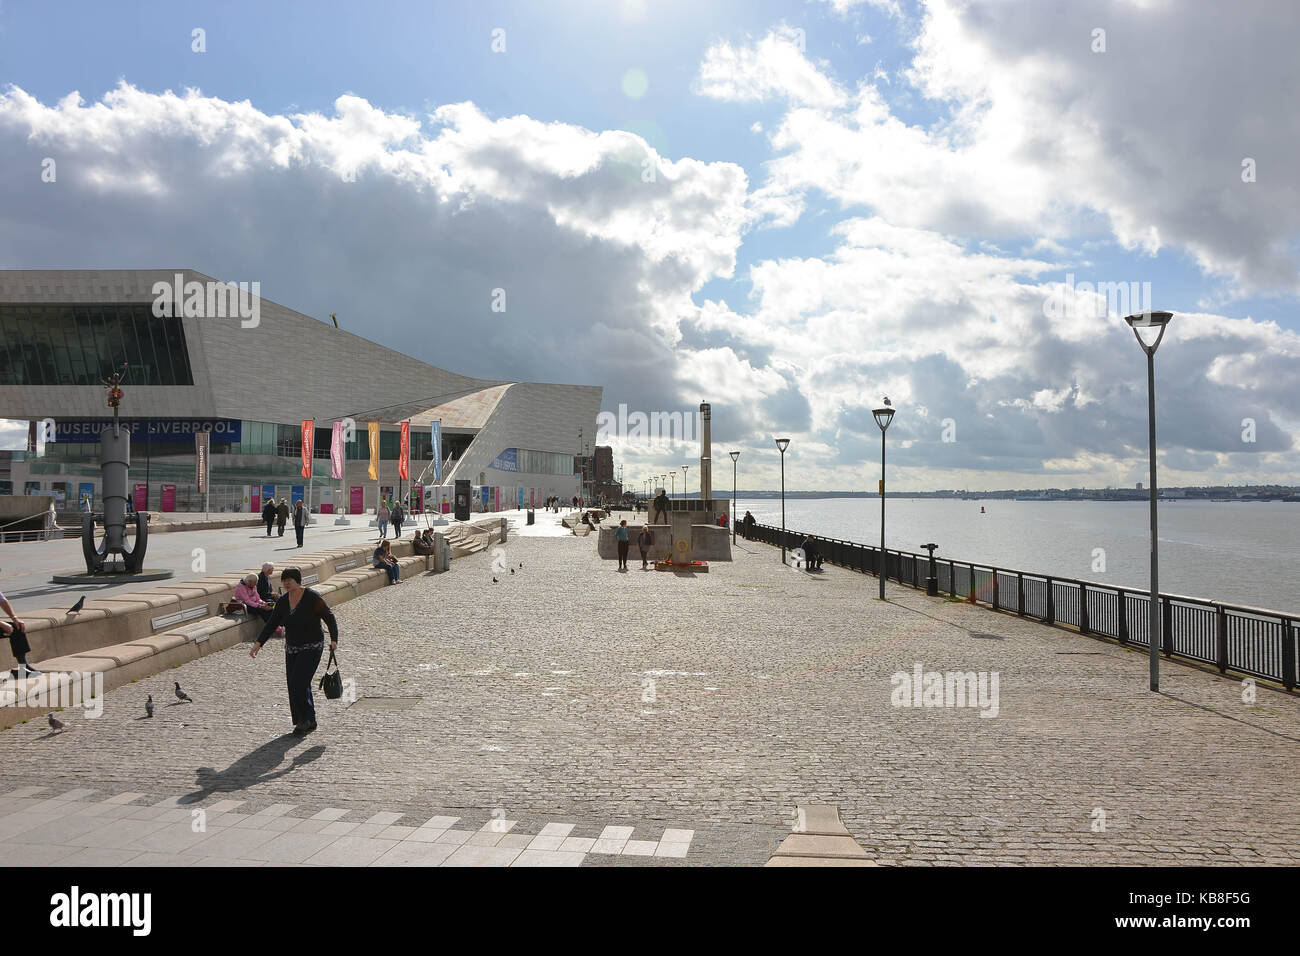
(494, 580)
(181, 695)
(55, 723)
(81, 601)
(148, 706)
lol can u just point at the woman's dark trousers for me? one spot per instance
(299, 669)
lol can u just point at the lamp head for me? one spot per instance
(883, 416)
(1149, 327)
(734, 455)
(783, 444)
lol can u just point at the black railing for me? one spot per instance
(1248, 640)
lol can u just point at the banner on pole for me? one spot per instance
(374, 451)
(436, 428)
(336, 452)
(308, 433)
(404, 456)
(201, 446)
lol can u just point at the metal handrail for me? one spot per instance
(39, 514)
(1259, 642)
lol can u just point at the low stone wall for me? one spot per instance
(708, 542)
(121, 617)
(342, 574)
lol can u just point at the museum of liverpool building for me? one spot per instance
(202, 356)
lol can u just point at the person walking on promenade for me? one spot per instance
(300, 611)
(748, 525)
(381, 518)
(643, 542)
(384, 559)
(246, 594)
(16, 631)
(299, 520)
(620, 535)
(398, 516)
(268, 515)
(281, 515)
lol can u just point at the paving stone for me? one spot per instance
(482, 856)
(754, 714)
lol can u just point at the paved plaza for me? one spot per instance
(568, 714)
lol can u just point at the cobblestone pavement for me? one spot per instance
(568, 693)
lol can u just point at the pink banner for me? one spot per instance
(255, 499)
(358, 502)
(336, 452)
(141, 501)
(168, 497)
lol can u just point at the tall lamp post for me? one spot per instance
(1153, 324)
(734, 456)
(684, 467)
(782, 444)
(883, 417)
(672, 478)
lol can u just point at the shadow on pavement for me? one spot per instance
(251, 769)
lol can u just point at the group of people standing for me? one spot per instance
(643, 542)
(277, 514)
(385, 514)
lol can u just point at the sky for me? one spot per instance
(790, 210)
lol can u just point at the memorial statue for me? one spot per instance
(659, 509)
(114, 462)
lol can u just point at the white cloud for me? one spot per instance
(775, 67)
(1039, 135)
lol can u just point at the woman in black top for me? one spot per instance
(300, 611)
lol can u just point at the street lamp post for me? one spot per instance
(883, 417)
(1158, 321)
(782, 444)
(734, 456)
(684, 467)
(672, 478)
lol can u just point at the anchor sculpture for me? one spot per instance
(114, 461)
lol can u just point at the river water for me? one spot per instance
(1235, 552)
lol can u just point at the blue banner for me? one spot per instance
(86, 490)
(153, 429)
(268, 493)
(508, 460)
(297, 494)
(435, 428)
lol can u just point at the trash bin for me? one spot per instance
(530, 515)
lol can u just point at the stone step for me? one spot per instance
(818, 838)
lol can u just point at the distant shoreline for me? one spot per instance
(1107, 494)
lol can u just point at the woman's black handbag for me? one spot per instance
(332, 684)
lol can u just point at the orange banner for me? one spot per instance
(308, 433)
(374, 451)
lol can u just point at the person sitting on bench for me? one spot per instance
(246, 594)
(385, 559)
(811, 556)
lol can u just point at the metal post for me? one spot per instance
(1154, 602)
(733, 500)
(882, 514)
(783, 506)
